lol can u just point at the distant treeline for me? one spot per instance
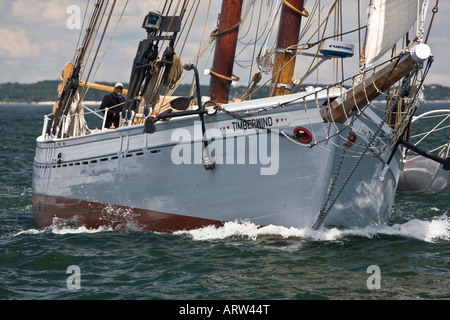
(46, 91)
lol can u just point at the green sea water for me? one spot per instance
(407, 258)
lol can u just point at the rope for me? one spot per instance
(232, 78)
(220, 34)
(435, 10)
(299, 49)
(303, 13)
(84, 91)
(175, 73)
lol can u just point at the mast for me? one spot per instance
(288, 32)
(227, 34)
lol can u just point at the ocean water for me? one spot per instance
(407, 258)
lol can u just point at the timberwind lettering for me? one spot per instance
(261, 122)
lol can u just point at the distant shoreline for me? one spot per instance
(47, 103)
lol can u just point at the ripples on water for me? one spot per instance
(236, 261)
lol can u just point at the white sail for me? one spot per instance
(389, 20)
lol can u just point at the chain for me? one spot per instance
(325, 210)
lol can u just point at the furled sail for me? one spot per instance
(389, 20)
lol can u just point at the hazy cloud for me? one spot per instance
(36, 42)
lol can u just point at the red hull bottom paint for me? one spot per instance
(94, 215)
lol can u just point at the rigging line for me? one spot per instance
(318, 38)
(83, 93)
(359, 28)
(275, 14)
(112, 36)
(89, 30)
(203, 32)
(169, 3)
(303, 13)
(171, 89)
(247, 20)
(435, 10)
(428, 132)
(274, 76)
(317, 51)
(190, 27)
(341, 28)
(182, 12)
(78, 64)
(81, 30)
(445, 146)
(432, 130)
(257, 38)
(92, 29)
(310, 45)
(249, 25)
(342, 83)
(307, 24)
(201, 48)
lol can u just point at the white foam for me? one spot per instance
(29, 231)
(78, 230)
(252, 231)
(429, 231)
(437, 229)
(62, 230)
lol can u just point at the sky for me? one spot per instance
(38, 37)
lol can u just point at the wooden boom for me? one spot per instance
(100, 87)
(364, 92)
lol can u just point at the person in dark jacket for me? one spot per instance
(114, 101)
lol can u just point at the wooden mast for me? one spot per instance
(226, 40)
(288, 32)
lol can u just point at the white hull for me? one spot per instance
(127, 176)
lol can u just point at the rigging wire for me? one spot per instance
(83, 93)
(109, 42)
(81, 30)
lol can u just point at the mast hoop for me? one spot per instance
(303, 13)
(234, 77)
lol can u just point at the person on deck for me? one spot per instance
(114, 101)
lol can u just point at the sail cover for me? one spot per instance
(389, 20)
